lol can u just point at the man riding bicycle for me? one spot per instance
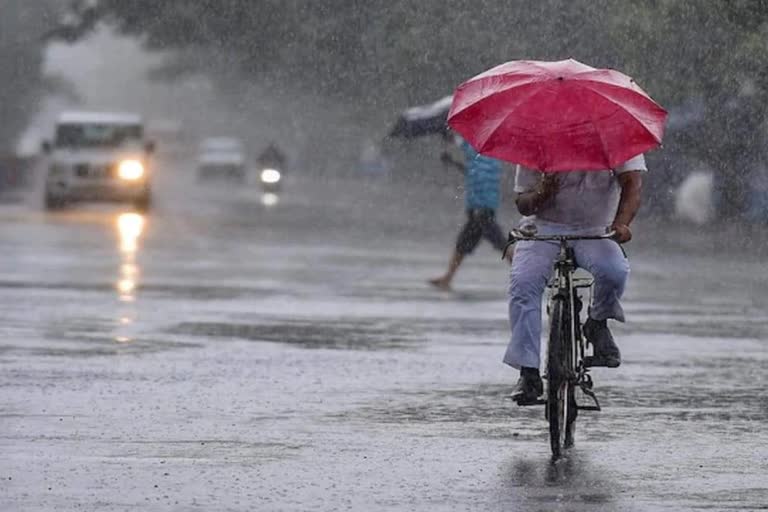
(572, 203)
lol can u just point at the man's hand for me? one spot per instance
(509, 254)
(529, 203)
(622, 233)
(549, 186)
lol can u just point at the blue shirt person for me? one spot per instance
(482, 195)
(482, 178)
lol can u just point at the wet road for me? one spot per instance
(220, 354)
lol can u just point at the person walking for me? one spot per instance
(482, 183)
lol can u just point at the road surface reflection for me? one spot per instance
(269, 199)
(130, 227)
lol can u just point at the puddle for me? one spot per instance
(95, 346)
(199, 292)
(208, 450)
(342, 335)
(482, 411)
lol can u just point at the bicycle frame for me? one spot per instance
(566, 369)
(565, 286)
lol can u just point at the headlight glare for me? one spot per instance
(130, 170)
(270, 176)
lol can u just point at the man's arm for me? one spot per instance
(448, 160)
(631, 197)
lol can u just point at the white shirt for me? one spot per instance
(586, 202)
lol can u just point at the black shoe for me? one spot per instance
(528, 388)
(606, 353)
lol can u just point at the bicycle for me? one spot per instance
(567, 362)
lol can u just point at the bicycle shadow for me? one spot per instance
(571, 483)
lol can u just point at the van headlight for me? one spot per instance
(130, 170)
(270, 176)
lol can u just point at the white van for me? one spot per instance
(222, 158)
(99, 157)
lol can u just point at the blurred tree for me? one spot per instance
(22, 23)
(715, 52)
(387, 53)
(380, 55)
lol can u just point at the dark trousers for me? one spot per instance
(481, 223)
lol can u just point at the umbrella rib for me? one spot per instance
(508, 113)
(531, 79)
(614, 102)
(597, 130)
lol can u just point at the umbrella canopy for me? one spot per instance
(423, 120)
(556, 116)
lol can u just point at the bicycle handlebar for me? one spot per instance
(516, 236)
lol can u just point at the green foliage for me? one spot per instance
(414, 49)
(717, 51)
(398, 48)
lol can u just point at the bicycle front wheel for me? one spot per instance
(561, 399)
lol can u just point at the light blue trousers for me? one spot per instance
(533, 266)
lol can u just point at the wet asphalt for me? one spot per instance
(225, 353)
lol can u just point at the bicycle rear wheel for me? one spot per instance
(561, 399)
